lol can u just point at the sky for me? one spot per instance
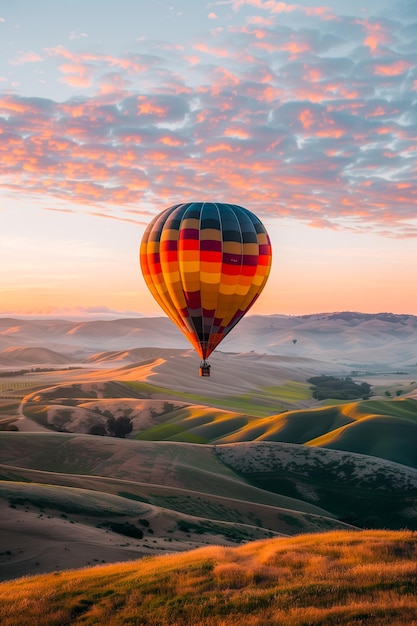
(113, 110)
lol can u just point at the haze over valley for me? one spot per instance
(346, 338)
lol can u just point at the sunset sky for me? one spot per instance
(112, 110)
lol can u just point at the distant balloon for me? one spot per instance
(205, 263)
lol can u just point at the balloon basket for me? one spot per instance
(204, 369)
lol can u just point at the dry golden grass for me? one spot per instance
(367, 577)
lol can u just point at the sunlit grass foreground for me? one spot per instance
(367, 577)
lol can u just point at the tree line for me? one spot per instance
(324, 387)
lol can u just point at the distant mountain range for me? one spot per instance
(348, 338)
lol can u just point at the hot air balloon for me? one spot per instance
(205, 263)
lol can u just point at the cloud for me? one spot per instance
(74, 35)
(55, 210)
(72, 313)
(275, 8)
(376, 34)
(394, 68)
(310, 118)
(25, 57)
(77, 75)
(267, 5)
(116, 217)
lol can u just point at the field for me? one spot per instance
(213, 465)
(338, 578)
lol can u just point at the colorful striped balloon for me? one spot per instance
(205, 263)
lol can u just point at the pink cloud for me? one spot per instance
(237, 131)
(306, 118)
(282, 7)
(212, 50)
(149, 106)
(76, 75)
(258, 20)
(82, 67)
(376, 34)
(113, 83)
(115, 217)
(393, 69)
(324, 12)
(267, 5)
(192, 59)
(275, 8)
(219, 147)
(295, 48)
(26, 57)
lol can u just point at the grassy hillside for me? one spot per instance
(46, 527)
(161, 473)
(328, 579)
(354, 487)
(179, 496)
(274, 486)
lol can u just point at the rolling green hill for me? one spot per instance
(377, 427)
(382, 428)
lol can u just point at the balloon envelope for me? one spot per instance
(205, 263)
